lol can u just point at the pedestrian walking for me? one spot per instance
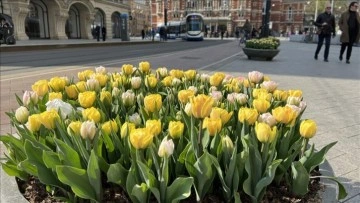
(326, 25)
(153, 34)
(349, 24)
(103, 32)
(97, 32)
(237, 34)
(143, 34)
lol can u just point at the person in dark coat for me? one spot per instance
(349, 24)
(103, 32)
(326, 24)
(143, 34)
(97, 32)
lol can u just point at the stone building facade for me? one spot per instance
(67, 19)
(228, 15)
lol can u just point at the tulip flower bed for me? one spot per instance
(162, 136)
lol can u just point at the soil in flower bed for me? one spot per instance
(34, 191)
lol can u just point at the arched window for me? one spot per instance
(116, 25)
(72, 27)
(37, 21)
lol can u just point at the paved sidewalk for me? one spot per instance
(331, 90)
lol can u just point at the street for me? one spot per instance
(330, 89)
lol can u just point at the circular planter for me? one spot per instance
(267, 54)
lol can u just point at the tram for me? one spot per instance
(176, 29)
(195, 27)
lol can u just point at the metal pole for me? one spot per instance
(165, 11)
(2, 7)
(332, 6)
(265, 28)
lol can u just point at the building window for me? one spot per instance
(290, 14)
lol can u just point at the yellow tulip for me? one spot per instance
(248, 115)
(101, 78)
(216, 79)
(105, 97)
(48, 118)
(144, 67)
(285, 115)
(261, 105)
(308, 128)
(152, 103)
(91, 114)
(281, 95)
(71, 91)
(295, 93)
(201, 105)
(264, 133)
(222, 114)
(108, 127)
(141, 138)
(81, 86)
(127, 69)
(74, 128)
(185, 95)
(176, 73)
(176, 129)
(126, 129)
(55, 95)
(154, 126)
(40, 87)
(87, 99)
(84, 75)
(57, 84)
(150, 81)
(190, 74)
(213, 125)
(167, 81)
(33, 123)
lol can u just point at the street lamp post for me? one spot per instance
(165, 11)
(266, 19)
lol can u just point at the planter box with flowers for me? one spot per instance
(266, 48)
(164, 136)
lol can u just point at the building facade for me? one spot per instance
(67, 19)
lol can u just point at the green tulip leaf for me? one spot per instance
(179, 189)
(140, 193)
(67, 154)
(93, 172)
(265, 181)
(300, 178)
(108, 143)
(51, 159)
(317, 158)
(12, 170)
(342, 191)
(78, 180)
(117, 174)
(35, 158)
(204, 174)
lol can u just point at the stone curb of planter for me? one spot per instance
(267, 54)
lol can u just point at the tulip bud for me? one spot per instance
(141, 138)
(176, 82)
(166, 148)
(268, 119)
(241, 98)
(216, 95)
(135, 82)
(176, 129)
(255, 77)
(308, 128)
(108, 127)
(270, 86)
(135, 118)
(30, 96)
(22, 114)
(187, 109)
(101, 70)
(33, 123)
(302, 106)
(163, 72)
(105, 97)
(227, 144)
(140, 99)
(115, 92)
(154, 126)
(193, 88)
(293, 100)
(126, 129)
(74, 128)
(88, 130)
(128, 98)
(264, 133)
(178, 115)
(93, 84)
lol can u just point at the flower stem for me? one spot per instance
(305, 143)
(199, 137)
